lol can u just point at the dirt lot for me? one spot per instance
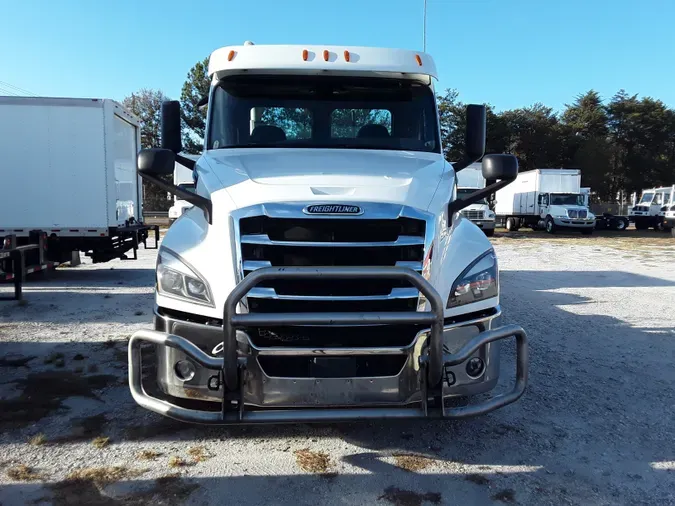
(595, 426)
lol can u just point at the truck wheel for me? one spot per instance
(641, 225)
(489, 232)
(550, 226)
(511, 224)
(620, 225)
(672, 232)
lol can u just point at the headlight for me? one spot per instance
(176, 279)
(489, 214)
(479, 281)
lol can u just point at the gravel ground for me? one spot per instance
(595, 426)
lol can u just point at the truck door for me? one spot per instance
(126, 182)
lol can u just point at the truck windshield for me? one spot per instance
(567, 199)
(323, 112)
(463, 192)
(646, 198)
(187, 186)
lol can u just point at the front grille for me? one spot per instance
(473, 215)
(292, 242)
(267, 241)
(577, 213)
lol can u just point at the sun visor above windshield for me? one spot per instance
(319, 59)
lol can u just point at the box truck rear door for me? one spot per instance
(126, 181)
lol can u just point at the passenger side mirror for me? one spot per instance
(475, 131)
(170, 133)
(156, 162)
(474, 143)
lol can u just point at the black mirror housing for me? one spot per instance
(156, 162)
(475, 131)
(170, 133)
(500, 167)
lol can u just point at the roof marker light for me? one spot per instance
(305, 54)
(419, 60)
(326, 54)
(347, 56)
(230, 56)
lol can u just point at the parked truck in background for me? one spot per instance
(551, 199)
(325, 271)
(182, 177)
(69, 170)
(470, 180)
(646, 213)
(669, 219)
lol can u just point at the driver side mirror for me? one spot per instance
(474, 144)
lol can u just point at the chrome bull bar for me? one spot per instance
(230, 365)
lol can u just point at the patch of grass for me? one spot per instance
(37, 440)
(176, 461)
(312, 462)
(198, 454)
(22, 472)
(478, 479)
(15, 361)
(53, 357)
(507, 495)
(101, 475)
(100, 442)
(399, 497)
(149, 455)
(412, 463)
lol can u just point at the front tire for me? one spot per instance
(621, 225)
(550, 226)
(587, 232)
(489, 232)
(641, 225)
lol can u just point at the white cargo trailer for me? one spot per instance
(68, 168)
(545, 198)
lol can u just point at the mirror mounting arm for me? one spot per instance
(186, 162)
(197, 200)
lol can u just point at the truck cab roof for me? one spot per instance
(315, 59)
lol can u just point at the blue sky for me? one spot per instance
(510, 53)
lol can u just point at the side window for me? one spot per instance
(666, 199)
(349, 123)
(543, 199)
(295, 123)
(658, 199)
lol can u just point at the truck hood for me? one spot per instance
(254, 176)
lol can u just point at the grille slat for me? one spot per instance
(473, 215)
(263, 239)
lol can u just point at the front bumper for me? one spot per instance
(573, 223)
(484, 224)
(241, 391)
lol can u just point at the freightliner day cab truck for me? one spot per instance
(470, 180)
(324, 271)
(549, 199)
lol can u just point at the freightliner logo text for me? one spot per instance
(332, 209)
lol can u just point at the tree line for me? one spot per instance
(621, 145)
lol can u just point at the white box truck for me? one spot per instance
(324, 271)
(651, 209)
(470, 180)
(545, 198)
(68, 168)
(182, 177)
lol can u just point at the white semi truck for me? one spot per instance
(551, 199)
(325, 271)
(69, 170)
(470, 180)
(647, 212)
(182, 177)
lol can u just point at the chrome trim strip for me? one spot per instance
(415, 266)
(396, 293)
(251, 265)
(263, 239)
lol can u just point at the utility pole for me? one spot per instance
(424, 29)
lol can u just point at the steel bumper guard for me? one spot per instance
(233, 363)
